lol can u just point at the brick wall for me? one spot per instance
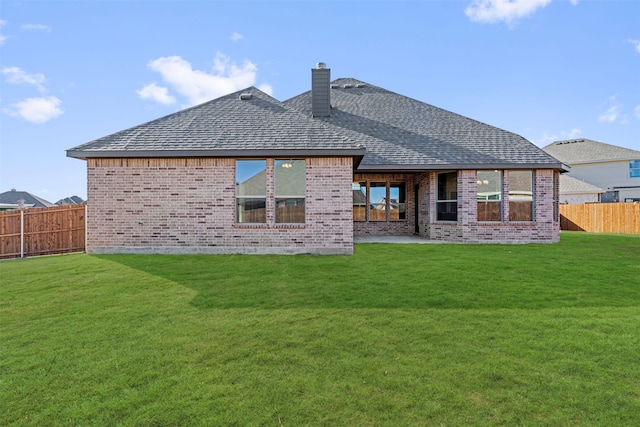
(188, 206)
(544, 228)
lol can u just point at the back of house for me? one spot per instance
(246, 173)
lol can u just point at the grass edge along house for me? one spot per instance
(246, 173)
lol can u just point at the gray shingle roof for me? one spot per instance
(574, 151)
(14, 197)
(226, 126)
(392, 131)
(571, 185)
(400, 132)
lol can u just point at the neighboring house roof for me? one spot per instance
(571, 185)
(402, 133)
(575, 151)
(391, 131)
(23, 198)
(228, 126)
(73, 200)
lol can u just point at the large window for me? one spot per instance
(289, 188)
(521, 195)
(447, 197)
(489, 195)
(251, 191)
(359, 201)
(286, 199)
(379, 201)
(634, 169)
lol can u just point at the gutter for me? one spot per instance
(307, 152)
(455, 166)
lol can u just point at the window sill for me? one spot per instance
(267, 226)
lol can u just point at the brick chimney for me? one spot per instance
(320, 90)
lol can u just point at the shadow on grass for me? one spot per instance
(582, 272)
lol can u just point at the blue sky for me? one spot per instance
(73, 71)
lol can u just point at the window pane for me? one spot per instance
(290, 178)
(290, 210)
(378, 201)
(448, 186)
(521, 195)
(489, 195)
(289, 187)
(251, 210)
(447, 211)
(397, 201)
(359, 201)
(634, 169)
(447, 205)
(251, 178)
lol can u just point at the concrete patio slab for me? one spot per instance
(394, 239)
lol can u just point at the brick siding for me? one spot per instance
(188, 206)
(544, 228)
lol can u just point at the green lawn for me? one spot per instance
(395, 335)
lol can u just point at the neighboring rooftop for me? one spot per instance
(22, 198)
(571, 185)
(73, 200)
(574, 151)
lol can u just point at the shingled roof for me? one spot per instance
(402, 133)
(392, 131)
(245, 123)
(575, 151)
(571, 185)
(14, 197)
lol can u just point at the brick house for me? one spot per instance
(246, 173)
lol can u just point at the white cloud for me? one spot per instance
(36, 27)
(17, 76)
(574, 2)
(200, 86)
(2, 37)
(492, 11)
(266, 88)
(636, 43)
(563, 135)
(156, 93)
(37, 110)
(236, 36)
(612, 112)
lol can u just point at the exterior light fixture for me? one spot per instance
(287, 165)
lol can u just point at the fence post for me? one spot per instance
(21, 233)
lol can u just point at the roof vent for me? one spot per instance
(360, 85)
(245, 96)
(347, 85)
(321, 65)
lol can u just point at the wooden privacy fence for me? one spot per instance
(601, 217)
(42, 231)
